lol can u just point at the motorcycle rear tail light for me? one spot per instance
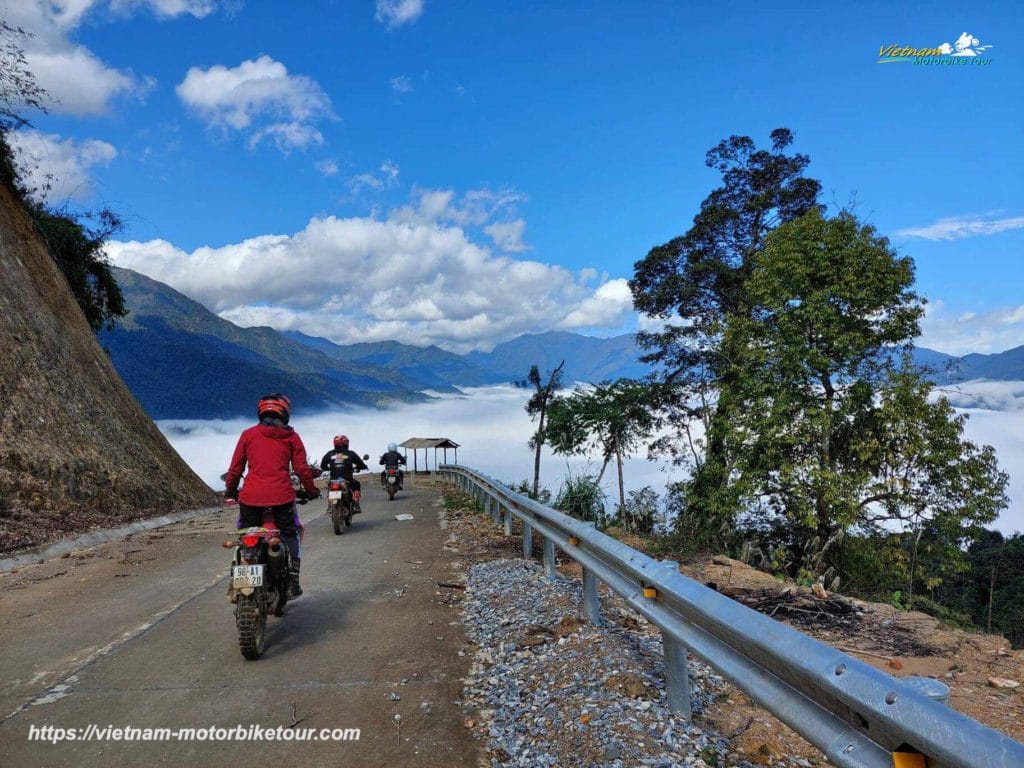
(335, 486)
(250, 540)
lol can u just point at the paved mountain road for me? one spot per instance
(142, 635)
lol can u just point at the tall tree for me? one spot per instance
(830, 427)
(612, 418)
(694, 283)
(537, 407)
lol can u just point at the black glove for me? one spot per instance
(231, 494)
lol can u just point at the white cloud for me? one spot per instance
(258, 96)
(168, 8)
(604, 309)
(957, 334)
(420, 280)
(79, 82)
(507, 235)
(327, 167)
(959, 227)
(384, 177)
(46, 160)
(287, 136)
(395, 13)
(475, 208)
(401, 84)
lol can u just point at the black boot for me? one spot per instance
(294, 589)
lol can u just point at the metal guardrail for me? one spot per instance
(858, 716)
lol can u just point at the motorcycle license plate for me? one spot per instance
(246, 576)
(392, 479)
(334, 495)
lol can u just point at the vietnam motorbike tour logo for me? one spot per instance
(966, 51)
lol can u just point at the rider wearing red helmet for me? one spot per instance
(342, 462)
(271, 449)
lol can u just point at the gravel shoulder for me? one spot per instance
(546, 688)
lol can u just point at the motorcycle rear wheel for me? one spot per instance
(252, 626)
(336, 519)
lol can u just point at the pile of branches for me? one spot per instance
(802, 609)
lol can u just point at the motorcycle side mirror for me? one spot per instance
(366, 456)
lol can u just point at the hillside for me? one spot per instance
(76, 449)
(183, 361)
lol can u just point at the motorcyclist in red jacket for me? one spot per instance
(271, 449)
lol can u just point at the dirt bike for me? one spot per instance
(259, 581)
(391, 482)
(340, 505)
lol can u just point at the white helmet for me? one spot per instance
(392, 447)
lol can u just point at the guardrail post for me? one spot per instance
(677, 677)
(527, 540)
(508, 521)
(677, 674)
(591, 600)
(549, 559)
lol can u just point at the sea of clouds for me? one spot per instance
(492, 429)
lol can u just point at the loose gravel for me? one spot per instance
(546, 688)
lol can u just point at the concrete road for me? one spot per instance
(139, 633)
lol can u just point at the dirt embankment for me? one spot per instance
(76, 449)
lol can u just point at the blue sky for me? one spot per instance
(374, 150)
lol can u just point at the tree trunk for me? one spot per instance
(539, 440)
(603, 468)
(622, 491)
(991, 592)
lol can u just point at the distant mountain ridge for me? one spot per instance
(431, 367)
(948, 369)
(183, 361)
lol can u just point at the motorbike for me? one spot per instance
(340, 505)
(259, 581)
(391, 482)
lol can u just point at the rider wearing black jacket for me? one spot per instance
(342, 463)
(392, 459)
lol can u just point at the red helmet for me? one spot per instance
(275, 405)
(340, 441)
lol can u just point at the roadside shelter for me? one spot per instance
(426, 444)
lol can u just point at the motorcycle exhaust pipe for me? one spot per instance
(275, 552)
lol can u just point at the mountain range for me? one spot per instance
(181, 360)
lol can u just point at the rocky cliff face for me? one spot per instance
(76, 449)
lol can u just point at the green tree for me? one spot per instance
(612, 418)
(831, 427)
(991, 588)
(537, 406)
(76, 243)
(694, 283)
(74, 240)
